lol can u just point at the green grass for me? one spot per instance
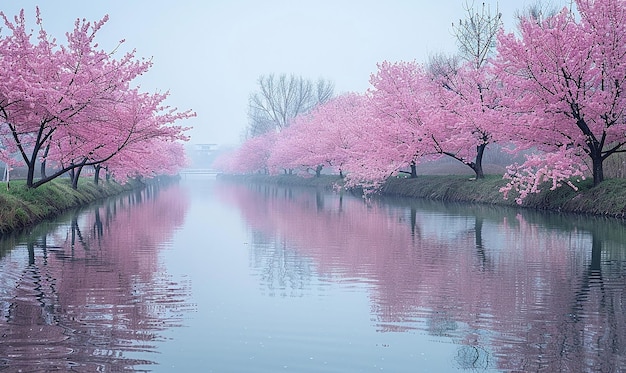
(21, 206)
(448, 188)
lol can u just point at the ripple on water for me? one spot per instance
(86, 307)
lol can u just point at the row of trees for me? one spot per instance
(553, 87)
(73, 105)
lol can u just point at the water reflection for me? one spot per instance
(515, 290)
(87, 291)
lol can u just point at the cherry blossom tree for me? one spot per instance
(465, 117)
(466, 95)
(145, 159)
(337, 126)
(322, 138)
(224, 161)
(564, 77)
(69, 103)
(396, 135)
(425, 115)
(139, 121)
(289, 145)
(252, 156)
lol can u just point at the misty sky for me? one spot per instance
(210, 53)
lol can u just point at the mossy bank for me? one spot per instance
(21, 207)
(606, 199)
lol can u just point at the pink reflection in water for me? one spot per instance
(515, 295)
(89, 293)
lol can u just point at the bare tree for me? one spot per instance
(281, 98)
(476, 34)
(444, 67)
(324, 90)
(539, 11)
(476, 38)
(259, 122)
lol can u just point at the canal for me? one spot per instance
(216, 276)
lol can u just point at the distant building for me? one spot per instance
(205, 149)
(202, 155)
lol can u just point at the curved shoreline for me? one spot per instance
(21, 208)
(607, 199)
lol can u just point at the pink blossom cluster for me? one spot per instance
(555, 87)
(71, 105)
(553, 169)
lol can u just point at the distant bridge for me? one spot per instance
(198, 171)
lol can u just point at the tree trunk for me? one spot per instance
(7, 175)
(30, 163)
(478, 163)
(318, 170)
(42, 170)
(96, 174)
(30, 174)
(598, 168)
(413, 170)
(76, 176)
(70, 173)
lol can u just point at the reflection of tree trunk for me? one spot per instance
(592, 281)
(44, 246)
(31, 253)
(473, 357)
(415, 231)
(319, 201)
(97, 225)
(340, 202)
(478, 240)
(138, 196)
(77, 234)
(73, 233)
(593, 273)
(596, 256)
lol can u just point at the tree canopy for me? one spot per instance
(73, 105)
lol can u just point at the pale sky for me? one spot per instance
(210, 53)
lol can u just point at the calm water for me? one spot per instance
(211, 276)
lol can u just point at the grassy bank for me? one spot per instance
(607, 199)
(21, 207)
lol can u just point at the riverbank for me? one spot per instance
(607, 199)
(21, 207)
